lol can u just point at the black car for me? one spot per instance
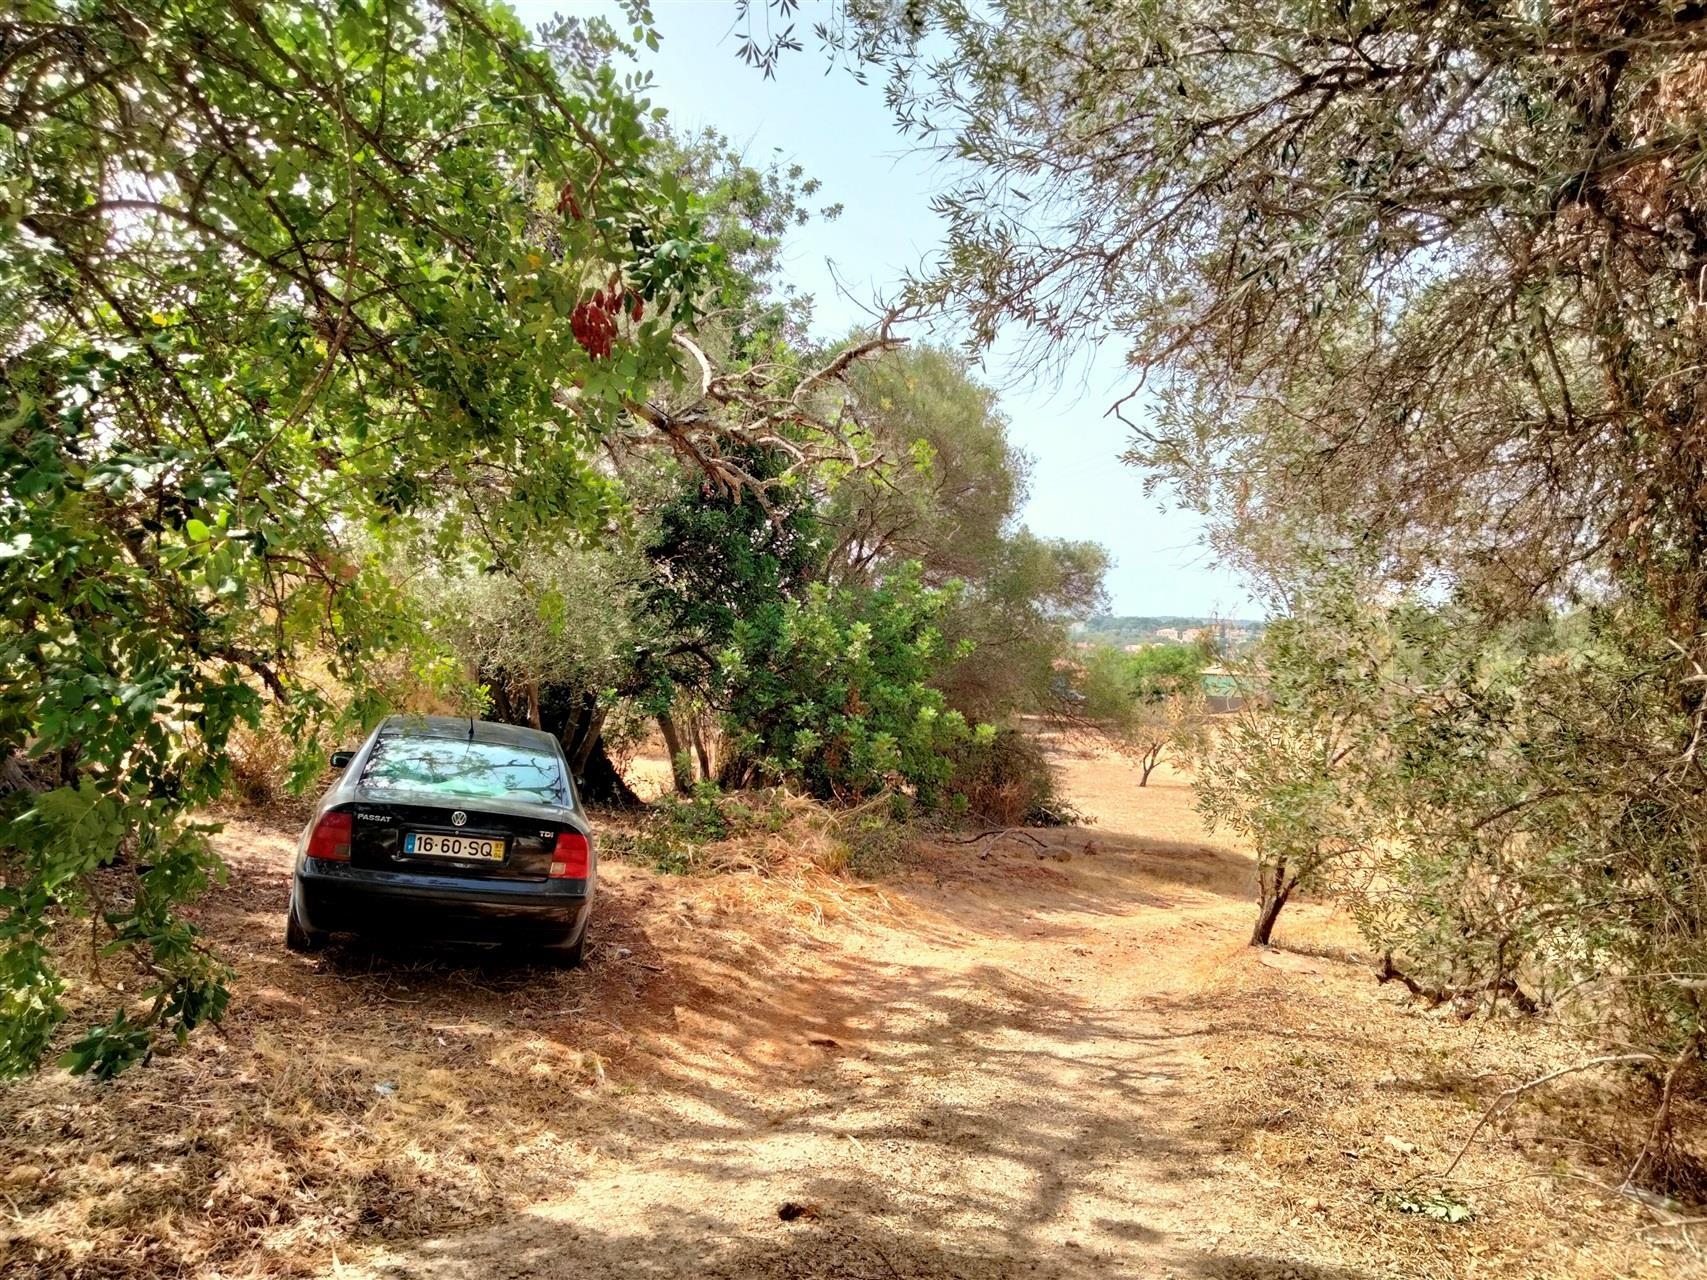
(457, 829)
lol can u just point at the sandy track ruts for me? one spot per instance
(1039, 1066)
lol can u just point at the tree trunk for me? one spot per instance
(592, 737)
(501, 701)
(576, 726)
(735, 773)
(681, 771)
(69, 759)
(1146, 767)
(1276, 889)
(696, 732)
(601, 783)
(578, 721)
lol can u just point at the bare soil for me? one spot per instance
(1039, 1055)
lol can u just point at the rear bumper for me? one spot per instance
(334, 897)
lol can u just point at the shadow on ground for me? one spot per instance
(548, 1249)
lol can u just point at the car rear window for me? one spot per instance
(469, 770)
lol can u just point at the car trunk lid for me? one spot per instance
(382, 833)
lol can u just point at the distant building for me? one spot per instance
(1222, 690)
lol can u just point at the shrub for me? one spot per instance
(1512, 809)
(263, 762)
(1007, 779)
(833, 692)
(1143, 704)
(675, 833)
(710, 833)
(866, 843)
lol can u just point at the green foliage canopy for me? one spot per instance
(1500, 800)
(273, 276)
(1139, 703)
(1416, 278)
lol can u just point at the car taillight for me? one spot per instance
(331, 839)
(570, 859)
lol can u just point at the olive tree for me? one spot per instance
(950, 501)
(1291, 771)
(1416, 287)
(1140, 704)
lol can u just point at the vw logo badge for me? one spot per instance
(458, 818)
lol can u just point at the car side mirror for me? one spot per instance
(342, 758)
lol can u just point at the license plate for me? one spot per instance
(431, 844)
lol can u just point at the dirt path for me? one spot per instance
(1020, 1065)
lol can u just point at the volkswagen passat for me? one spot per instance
(452, 828)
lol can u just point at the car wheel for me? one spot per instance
(569, 955)
(298, 937)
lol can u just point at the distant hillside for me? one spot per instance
(1124, 629)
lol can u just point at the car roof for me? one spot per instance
(464, 729)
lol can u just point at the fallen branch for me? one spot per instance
(1506, 1098)
(995, 837)
(1660, 1129)
(1504, 985)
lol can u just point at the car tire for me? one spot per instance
(298, 936)
(569, 955)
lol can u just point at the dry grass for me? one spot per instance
(1335, 1100)
(361, 1098)
(790, 859)
(371, 1095)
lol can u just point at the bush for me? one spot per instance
(762, 831)
(1007, 780)
(263, 762)
(1512, 809)
(868, 842)
(675, 834)
(833, 693)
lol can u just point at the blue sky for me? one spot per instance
(840, 133)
